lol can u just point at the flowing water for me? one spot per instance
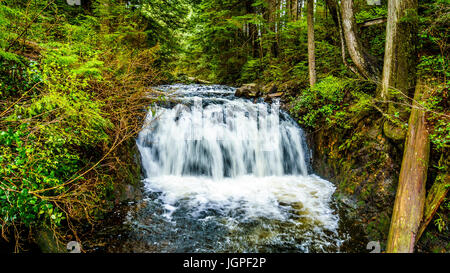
(225, 174)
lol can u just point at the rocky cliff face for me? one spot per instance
(363, 165)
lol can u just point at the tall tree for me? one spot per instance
(311, 46)
(400, 59)
(272, 11)
(294, 8)
(252, 29)
(366, 64)
(335, 12)
(399, 80)
(300, 8)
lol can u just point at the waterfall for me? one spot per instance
(231, 139)
(209, 156)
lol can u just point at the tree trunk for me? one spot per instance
(253, 30)
(300, 9)
(400, 60)
(435, 197)
(366, 64)
(272, 14)
(294, 10)
(333, 8)
(410, 198)
(289, 9)
(311, 47)
(400, 56)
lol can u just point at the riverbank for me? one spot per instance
(350, 149)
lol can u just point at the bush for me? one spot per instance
(43, 148)
(319, 102)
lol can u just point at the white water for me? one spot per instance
(231, 155)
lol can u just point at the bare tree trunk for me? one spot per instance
(300, 8)
(400, 60)
(400, 51)
(252, 29)
(278, 24)
(311, 47)
(289, 9)
(272, 15)
(332, 5)
(410, 197)
(366, 64)
(294, 10)
(341, 36)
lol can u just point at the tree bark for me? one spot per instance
(272, 15)
(400, 56)
(300, 8)
(294, 10)
(400, 60)
(410, 196)
(333, 7)
(311, 46)
(253, 30)
(366, 64)
(435, 197)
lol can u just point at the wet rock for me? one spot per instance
(250, 90)
(364, 165)
(272, 96)
(270, 88)
(394, 132)
(130, 193)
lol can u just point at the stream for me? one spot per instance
(227, 174)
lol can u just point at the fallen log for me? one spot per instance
(372, 22)
(410, 197)
(196, 80)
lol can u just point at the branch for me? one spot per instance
(372, 22)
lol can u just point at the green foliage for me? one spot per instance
(54, 57)
(55, 120)
(320, 102)
(19, 204)
(440, 222)
(251, 71)
(433, 66)
(43, 152)
(238, 42)
(370, 13)
(437, 116)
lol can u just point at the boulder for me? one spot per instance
(130, 193)
(250, 90)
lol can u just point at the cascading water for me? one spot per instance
(224, 174)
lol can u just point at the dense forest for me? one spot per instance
(368, 81)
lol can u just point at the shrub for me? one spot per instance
(319, 102)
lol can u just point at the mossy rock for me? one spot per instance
(394, 132)
(48, 243)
